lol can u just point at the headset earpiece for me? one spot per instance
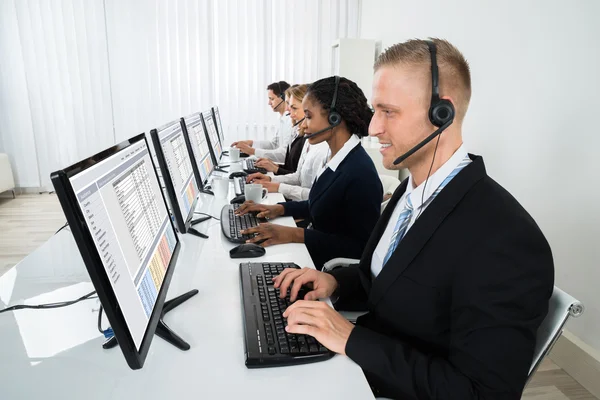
(281, 94)
(334, 117)
(440, 111)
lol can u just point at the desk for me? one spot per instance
(57, 354)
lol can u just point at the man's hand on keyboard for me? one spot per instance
(257, 177)
(319, 320)
(323, 284)
(267, 164)
(264, 211)
(248, 142)
(271, 234)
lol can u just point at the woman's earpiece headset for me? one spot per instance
(441, 112)
(334, 118)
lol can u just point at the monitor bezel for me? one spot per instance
(182, 223)
(218, 124)
(212, 151)
(92, 260)
(188, 143)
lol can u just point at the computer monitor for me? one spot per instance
(212, 136)
(198, 148)
(120, 222)
(217, 118)
(177, 173)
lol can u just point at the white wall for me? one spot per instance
(76, 77)
(536, 98)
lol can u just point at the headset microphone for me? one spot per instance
(423, 143)
(334, 117)
(299, 122)
(441, 112)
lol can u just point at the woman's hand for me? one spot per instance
(264, 211)
(270, 234)
(267, 164)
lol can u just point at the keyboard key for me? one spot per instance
(313, 348)
(272, 350)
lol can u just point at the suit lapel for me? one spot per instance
(425, 226)
(322, 184)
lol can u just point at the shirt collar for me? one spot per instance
(435, 180)
(343, 153)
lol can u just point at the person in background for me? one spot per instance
(296, 185)
(345, 201)
(292, 156)
(276, 148)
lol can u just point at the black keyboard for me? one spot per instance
(232, 224)
(267, 344)
(238, 185)
(251, 168)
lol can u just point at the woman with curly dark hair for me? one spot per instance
(345, 200)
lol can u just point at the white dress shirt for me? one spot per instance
(417, 199)
(340, 156)
(297, 185)
(276, 148)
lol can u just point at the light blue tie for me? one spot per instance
(405, 215)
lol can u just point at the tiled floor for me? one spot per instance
(29, 220)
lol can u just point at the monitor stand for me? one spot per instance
(207, 191)
(162, 330)
(198, 220)
(220, 169)
(193, 231)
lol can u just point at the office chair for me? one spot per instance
(562, 306)
(390, 184)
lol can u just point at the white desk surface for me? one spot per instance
(57, 354)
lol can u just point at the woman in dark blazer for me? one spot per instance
(345, 200)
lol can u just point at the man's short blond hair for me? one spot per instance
(454, 71)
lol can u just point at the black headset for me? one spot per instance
(281, 94)
(441, 112)
(334, 117)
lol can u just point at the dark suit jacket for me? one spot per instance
(292, 156)
(454, 312)
(343, 207)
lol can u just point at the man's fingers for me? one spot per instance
(315, 295)
(287, 281)
(304, 330)
(277, 280)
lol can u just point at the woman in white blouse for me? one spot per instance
(296, 186)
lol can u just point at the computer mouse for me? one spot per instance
(238, 199)
(237, 174)
(247, 250)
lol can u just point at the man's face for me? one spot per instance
(401, 97)
(274, 101)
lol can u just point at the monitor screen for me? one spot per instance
(125, 213)
(178, 175)
(199, 145)
(212, 134)
(217, 118)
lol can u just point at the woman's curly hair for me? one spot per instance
(351, 103)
